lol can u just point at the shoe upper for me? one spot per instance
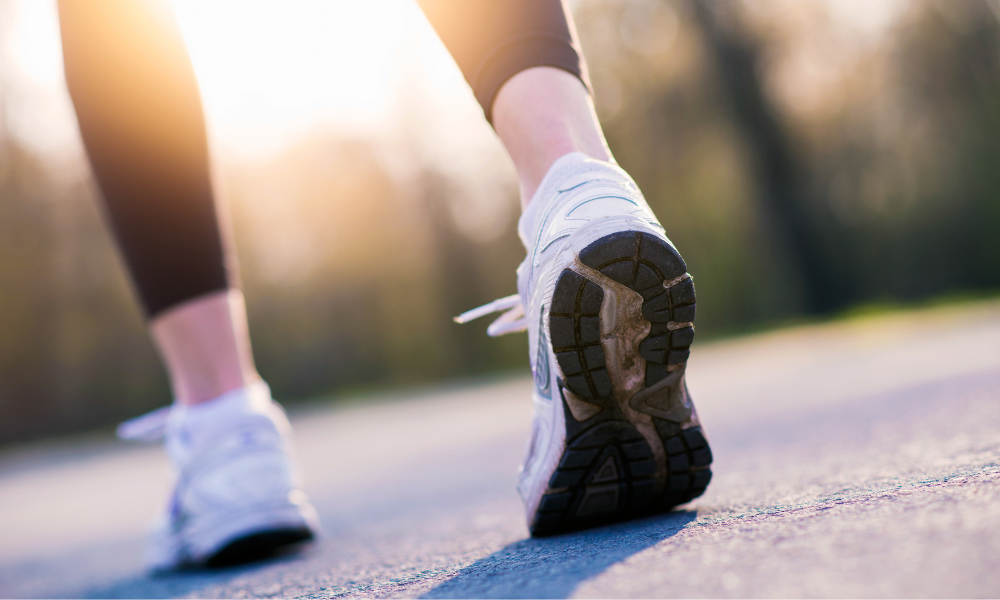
(577, 190)
(236, 476)
(231, 454)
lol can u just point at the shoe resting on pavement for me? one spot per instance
(237, 496)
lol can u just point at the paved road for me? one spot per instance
(852, 459)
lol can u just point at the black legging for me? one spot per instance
(142, 124)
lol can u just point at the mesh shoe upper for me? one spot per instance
(236, 477)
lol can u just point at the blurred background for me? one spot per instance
(807, 157)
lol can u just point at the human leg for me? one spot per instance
(205, 345)
(542, 114)
(606, 298)
(524, 63)
(141, 120)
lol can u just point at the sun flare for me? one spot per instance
(269, 72)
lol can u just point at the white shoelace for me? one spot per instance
(149, 427)
(152, 426)
(511, 321)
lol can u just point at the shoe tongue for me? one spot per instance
(559, 176)
(190, 428)
(252, 399)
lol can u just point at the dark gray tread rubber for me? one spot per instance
(606, 472)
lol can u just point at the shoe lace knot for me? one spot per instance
(511, 321)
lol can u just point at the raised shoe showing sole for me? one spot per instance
(609, 309)
(620, 326)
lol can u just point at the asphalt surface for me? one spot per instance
(857, 458)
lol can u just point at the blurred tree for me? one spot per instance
(779, 179)
(667, 121)
(74, 354)
(754, 130)
(948, 91)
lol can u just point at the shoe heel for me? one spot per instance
(610, 470)
(605, 473)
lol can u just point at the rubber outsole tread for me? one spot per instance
(258, 546)
(607, 470)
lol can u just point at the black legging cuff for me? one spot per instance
(519, 54)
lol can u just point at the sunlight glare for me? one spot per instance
(34, 43)
(35, 100)
(272, 72)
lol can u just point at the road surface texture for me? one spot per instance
(856, 458)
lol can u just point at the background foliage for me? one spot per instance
(803, 158)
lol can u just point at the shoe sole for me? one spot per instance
(248, 534)
(633, 446)
(258, 546)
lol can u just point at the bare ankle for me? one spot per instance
(542, 114)
(205, 345)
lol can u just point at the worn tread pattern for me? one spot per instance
(584, 490)
(606, 472)
(688, 472)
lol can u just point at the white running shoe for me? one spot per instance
(237, 495)
(608, 306)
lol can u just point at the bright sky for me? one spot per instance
(270, 72)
